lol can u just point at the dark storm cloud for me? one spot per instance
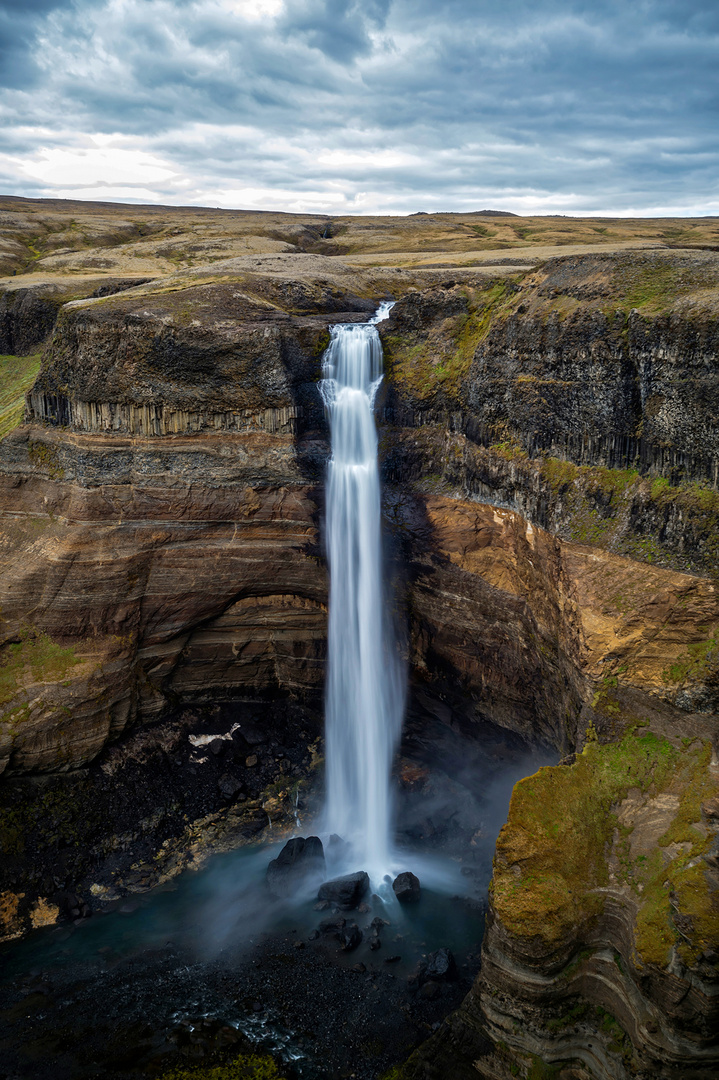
(386, 104)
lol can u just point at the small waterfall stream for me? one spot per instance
(365, 681)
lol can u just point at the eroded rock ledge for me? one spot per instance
(161, 551)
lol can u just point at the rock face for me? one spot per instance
(406, 888)
(600, 954)
(346, 892)
(582, 395)
(549, 447)
(299, 863)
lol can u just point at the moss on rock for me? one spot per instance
(244, 1067)
(17, 374)
(553, 856)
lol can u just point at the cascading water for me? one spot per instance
(365, 682)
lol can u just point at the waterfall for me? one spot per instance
(365, 683)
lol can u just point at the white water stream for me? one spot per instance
(365, 680)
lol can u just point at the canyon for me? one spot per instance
(550, 456)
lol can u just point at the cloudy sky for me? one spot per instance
(359, 106)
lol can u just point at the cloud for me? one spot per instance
(350, 106)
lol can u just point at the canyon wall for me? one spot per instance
(549, 448)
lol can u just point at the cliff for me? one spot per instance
(549, 448)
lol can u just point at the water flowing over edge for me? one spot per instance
(365, 690)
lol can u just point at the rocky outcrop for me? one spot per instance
(582, 395)
(511, 624)
(154, 576)
(28, 310)
(600, 953)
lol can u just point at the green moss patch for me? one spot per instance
(35, 654)
(431, 364)
(597, 501)
(699, 663)
(245, 1067)
(552, 855)
(17, 374)
(653, 286)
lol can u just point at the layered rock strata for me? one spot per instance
(161, 550)
(600, 953)
(583, 395)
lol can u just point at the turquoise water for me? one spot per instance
(225, 904)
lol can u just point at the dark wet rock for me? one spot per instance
(337, 847)
(392, 959)
(321, 905)
(216, 747)
(440, 966)
(430, 990)
(346, 892)
(333, 925)
(377, 923)
(251, 733)
(407, 888)
(350, 937)
(229, 786)
(375, 944)
(313, 935)
(297, 864)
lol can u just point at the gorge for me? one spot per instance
(548, 450)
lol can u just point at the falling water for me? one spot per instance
(365, 690)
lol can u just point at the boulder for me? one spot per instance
(300, 861)
(229, 786)
(407, 888)
(350, 937)
(440, 967)
(333, 925)
(346, 892)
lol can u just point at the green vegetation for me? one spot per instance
(245, 1067)
(47, 458)
(17, 374)
(573, 1016)
(540, 1070)
(38, 654)
(700, 660)
(429, 365)
(653, 285)
(551, 858)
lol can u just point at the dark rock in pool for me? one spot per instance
(333, 925)
(337, 847)
(346, 892)
(300, 861)
(440, 967)
(350, 937)
(407, 888)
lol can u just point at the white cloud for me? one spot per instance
(392, 105)
(253, 10)
(84, 168)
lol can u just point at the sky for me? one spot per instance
(365, 106)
